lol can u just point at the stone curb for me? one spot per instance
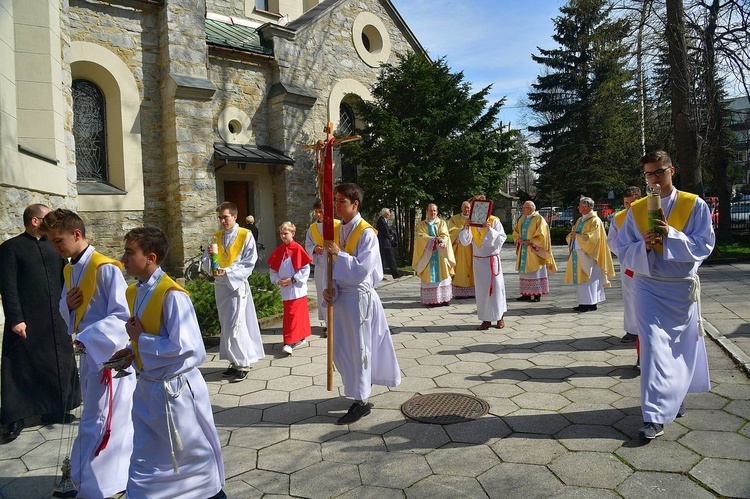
(737, 355)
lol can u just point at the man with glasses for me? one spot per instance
(240, 341)
(39, 374)
(665, 256)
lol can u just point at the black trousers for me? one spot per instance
(389, 261)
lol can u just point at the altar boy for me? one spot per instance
(176, 449)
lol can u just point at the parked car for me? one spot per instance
(563, 219)
(739, 213)
(604, 210)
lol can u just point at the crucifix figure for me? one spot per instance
(324, 169)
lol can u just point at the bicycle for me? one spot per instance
(194, 267)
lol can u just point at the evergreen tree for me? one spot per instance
(587, 121)
(427, 138)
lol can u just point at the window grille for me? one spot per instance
(89, 132)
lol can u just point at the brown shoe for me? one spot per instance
(500, 324)
(484, 326)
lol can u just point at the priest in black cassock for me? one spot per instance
(39, 373)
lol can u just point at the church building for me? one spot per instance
(151, 112)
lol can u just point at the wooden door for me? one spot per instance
(241, 194)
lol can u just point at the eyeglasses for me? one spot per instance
(656, 173)
(225, 217)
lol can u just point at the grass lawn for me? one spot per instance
(740, 251)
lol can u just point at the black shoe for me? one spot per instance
(229, 373)
(579, 308)
(651, 430)
(585, 308)
(240, 375)
(537, 298)
(66, 418)
(628, 338)
(356, 412)
(12, 431)
(681, 411)
(523, 298)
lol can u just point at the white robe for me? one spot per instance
(628, 303)
(102, 331)
(490, 308)
(286, 271)
(362, 345)
(673, 353)
(174, 355)
(240, 341)
(320, 272)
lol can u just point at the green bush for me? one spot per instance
(266, 297)
(557, 234)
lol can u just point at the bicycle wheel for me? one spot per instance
(192, 272)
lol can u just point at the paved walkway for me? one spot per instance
(564, 410)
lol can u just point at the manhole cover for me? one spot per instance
(444, 408)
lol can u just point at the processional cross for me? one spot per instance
(324, 169)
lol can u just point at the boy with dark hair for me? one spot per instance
(241, 342)
(94, 307)
(176, 449)
(363, 349)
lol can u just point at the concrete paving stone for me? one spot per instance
(569, 492)
(238, 488)
(728, 478)
(505, 376)
(317, 429)
(489, 344)
(544, 386)
(477, 356)
(661, 486)
(712, 420)
(264, 399)
(45, 455)
(462, 460)
(484, 430)
(590, 469)
(469, 367)
(536, 421)
(223, 401)
(592, 357)
(248, 385)
(492, 389)
(309, 369)
(593, 344)
(315, 481)
(438, 487)
(729, 376)
(519, 480)
(663, 456)
(224, 435)
(745, 430)
(404, 363)
(421, 344)
(411, 353)
(391, 399)
(414, 385)
(420, 371)
(554, 373)
(553, 343)
(289, 456)
(630, 388)
(36, 483)
(456, 380)
(290, 383)
(353, 448)
(591, 395)
(706, 400)
(290, 412)
(398, 471)
(238, 460)
(369, 492)
(311, 352)
(542, 401)
(456, 341)
(313, 394)
(415, 437)
(334, 407)
(500, 406)
(739, 407)
(268, 373)
(511, 351)
(593, 414)
(292, 361)
(259, 435)
(9, 470)
(26, 442)
(722, 444)
(506, 362)
(550, 360)
(594, 438)
(381, 421)
(581, 379)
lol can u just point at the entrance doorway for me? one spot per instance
(242, 194)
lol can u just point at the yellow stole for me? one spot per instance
(318, 237)
(351, 243)
(234, 250)
(151, 316)
(87, 283)
(620, 218)
(678, 217)
(478, 233)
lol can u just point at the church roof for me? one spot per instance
(237, 153)
(235, 36)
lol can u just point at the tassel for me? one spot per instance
(177, 440)
(174, 464)
(105, 441)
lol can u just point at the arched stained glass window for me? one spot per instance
(89, 132)
(346, 119)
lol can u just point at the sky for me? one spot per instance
(491, 41)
